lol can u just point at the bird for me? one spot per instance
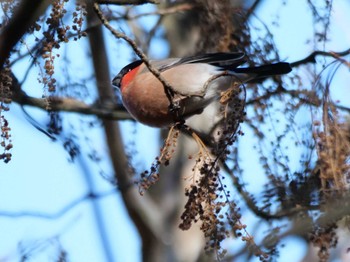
(196, 81)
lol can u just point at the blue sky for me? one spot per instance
(40, 177)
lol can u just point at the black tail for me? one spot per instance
(266, 70)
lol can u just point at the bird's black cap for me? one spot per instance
(117, 80)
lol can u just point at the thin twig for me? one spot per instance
(144, 212)
(162, 12)
(252, 9)
(309, 98)
(169, 91)
(127, 2)
(334, 211)
(251, 203)
(312, 57)
(57, 214)
(26, 13)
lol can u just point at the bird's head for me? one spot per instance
(126, 74)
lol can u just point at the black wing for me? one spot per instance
(224, 60)
(218, 59)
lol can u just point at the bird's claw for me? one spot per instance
(174, 107)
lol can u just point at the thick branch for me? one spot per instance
(67, 104)
(333, 212)
(142, 210)
(115, 112)
(24, 16)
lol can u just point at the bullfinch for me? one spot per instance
(193, 79)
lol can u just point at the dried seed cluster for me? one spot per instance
(205, 203)
(6, 142)
(239, 230)
(207, 195)
(150, 177)
(5, 99)
(324, 239)
(78, 19)
(55, 125)
(57, 32)
(333, 150)
(5, 88)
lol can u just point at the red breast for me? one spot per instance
(129, 77)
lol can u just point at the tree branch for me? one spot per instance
(312, 57)
(306, 96)
(169, 91)
(142, 210)
(332, 212)
(127, 2)
(67, 104)
(252, 205)
(252, 9)
(57, 214)
(162, 12)
(24, 16)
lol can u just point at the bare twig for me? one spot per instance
(57, 214)
(306, 96)
(252, 9)
(312, 57)
(67, 104)
(252, 205)
(127, 2)
(142, 210)
(169, 91)
(162, 12)
(211, 79)
(24, 16)
(334, 211)
(344, 108)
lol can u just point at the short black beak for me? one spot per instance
(116, 81)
